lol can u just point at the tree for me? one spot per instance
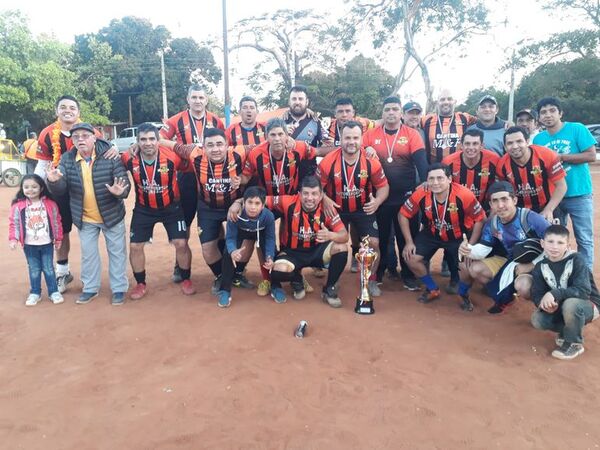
(424, 29)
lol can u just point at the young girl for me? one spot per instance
(34, 222)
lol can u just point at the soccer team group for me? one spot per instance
(489, 194)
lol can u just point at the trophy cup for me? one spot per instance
(366, 258)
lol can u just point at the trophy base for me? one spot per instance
(364, 307)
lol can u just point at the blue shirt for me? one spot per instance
(570, 139)
(513, 232)
(265, 222)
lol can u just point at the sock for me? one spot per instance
(429, 283)
(216, 268)
(265, 273)
(221, 245)
(336, 267)
(278, 277)
(62, 267)
(140, 277)
(240, 267)
(463, 289)
(185, 273)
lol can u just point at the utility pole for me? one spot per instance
(511, 95)
(130, 113)
(226, 66)
(164, 84)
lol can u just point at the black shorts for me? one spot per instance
(64, 208)
(144, 219)
(427, 245)
(318, 256)
(210, 222)
(365, 224)
(188, 192)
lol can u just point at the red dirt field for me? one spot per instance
(175, 372)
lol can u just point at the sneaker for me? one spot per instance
(318, 273)
(452, 288)
(428, 296)
(411, 284)
(33, 299)
(466, 304)
(568, 350)
(500, 308)
(216, 286)
(278, 294)
(307, 287)
(264, 288)
(240, 281)
(176, 277)
(330, 297)
(56, 298)
(187, 287)
(138, 291)
(354, 266)
(62, 282)
(445, 271)
(299, 291)
(86, 297)
(118, 298)
(393, 275)
(374, 289)
(224, 299)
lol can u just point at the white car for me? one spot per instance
(128, 137)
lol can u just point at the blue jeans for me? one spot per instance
(568, 321)
(581, 211)
(40, 258)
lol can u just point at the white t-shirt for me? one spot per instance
(37, 226)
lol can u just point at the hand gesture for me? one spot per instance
(290, 129)
(12, 245)
(548, 215)
(464, 250)
(236, 181)
(234, 212)
(371, 206)
(118, 187)
(53, 174)
(409, 251)
(330, 207)
(236, 255)
(548, 303)
(268, 264)
(112, 153)
(323, 235)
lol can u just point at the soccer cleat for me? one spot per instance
(298, 289)
(86, 297)
(499, 308)
(33, 299)
(264, 288)
(187, 287)
(176, 277)
(410, 284)
(138, 291)
(568, 350)
(56, 298)
(466, 304)
(63, 280)
(240, 281)
(278, 294)
(224, 299)
(428, 296)
(330, 296)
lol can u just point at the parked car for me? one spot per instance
(128, 136)
(595, 130)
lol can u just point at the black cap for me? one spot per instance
(500, 186)
(488, 98)
(527, 111)
(411, 106)
(83, 126)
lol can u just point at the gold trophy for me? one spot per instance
(366, 257)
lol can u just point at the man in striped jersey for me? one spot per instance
(248, 132)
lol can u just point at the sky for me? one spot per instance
(512, 21)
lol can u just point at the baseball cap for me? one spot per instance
(411, 106)
(528, 111)
(500, 186)
(83, 126)
(488, 98)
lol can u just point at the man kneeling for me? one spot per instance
(308, 239)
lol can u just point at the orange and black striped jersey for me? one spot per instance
(188, 131)
(350, 185)
(533, 182)
(443, 133)
(45, 151)
(477, 178)
(447, 220)
(248, 137)
(334, 132)
(155, 183)
(278, 177)
(299, 227)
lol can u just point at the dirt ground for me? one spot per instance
(175, 372)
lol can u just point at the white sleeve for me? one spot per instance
(40, 168)
(480, 251)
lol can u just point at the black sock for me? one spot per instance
(185, 273)
(240, 267)
(140, 277)
(336, 267)
(221, 245)
(216, 268)
(63, 262)
(278, 277)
